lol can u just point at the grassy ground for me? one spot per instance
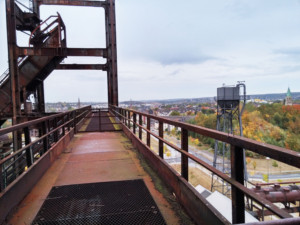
(268, 166)
(262, 166)
(196, 176)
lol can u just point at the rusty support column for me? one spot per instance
(55, 134)
(63, 127)
(29, 157)
(100, 128)
(36, 7)
(41, 98)
(68, 119)
(24, 100)
(45, 127)
(111, 45)
(237, 173)
(148, 128)
(13, 70)
(134, 123)
(125, 117)
(74, 121)
(140, 129)
(129, 122)
(160, 143)
(185, 159)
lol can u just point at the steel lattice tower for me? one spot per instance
(228, 109)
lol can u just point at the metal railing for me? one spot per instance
(40, 35)
(101, 120)
(239, 192)
(5, 75)
(51, 130)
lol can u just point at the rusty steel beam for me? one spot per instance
(37, 121)
(194, 203)
(134, 123)
(283, 196)
(73, 3)
(160, 142)
(41, 97)
(111, 45)
(25, 51)
(14, 194)
(140, 129)
(148, 128)
(237, 173)
(267, 204)
(13, 69)
(82, 67)
(184, 158)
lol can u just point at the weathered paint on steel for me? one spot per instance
(196, 206)
(16, 191)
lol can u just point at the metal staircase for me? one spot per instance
(34, 69)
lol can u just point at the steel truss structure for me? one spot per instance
(30, 66)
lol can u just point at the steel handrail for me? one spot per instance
(56, 125)
(5, 75)
(263, 202)
(34, 122)
(56, 20)
(281, 154)
(39, 139)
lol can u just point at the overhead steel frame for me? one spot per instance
(14, 52)
(111, 43)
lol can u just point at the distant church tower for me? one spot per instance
(78, 104)
(288, 98)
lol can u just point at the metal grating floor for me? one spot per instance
(119, 202)
(94, 125)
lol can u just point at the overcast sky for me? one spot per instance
(179, 49)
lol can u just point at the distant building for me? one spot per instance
(78, 104)
(288, 98)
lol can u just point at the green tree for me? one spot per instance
(175, 113)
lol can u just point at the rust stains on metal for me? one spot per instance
(92, 157)
(236, 179)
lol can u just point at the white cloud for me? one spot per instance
(171, 49)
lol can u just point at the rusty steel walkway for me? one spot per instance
(93, 158)
(100, 120)
(75, 171)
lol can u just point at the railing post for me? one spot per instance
(46, 139)
(129, 125)
(134, 123)
(119, 114)
(184, 158)
(74, 122)
(2, 177)
(125, 117)
(54, 127)
(63, 127)
(100, 126)
(68, 119)
(122, 115)
(148, 128)
(237, 173)
(29, 158)
(140, 128)
(160, 143)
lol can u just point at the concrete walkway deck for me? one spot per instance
(89, 158)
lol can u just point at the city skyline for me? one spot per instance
(170, 50)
